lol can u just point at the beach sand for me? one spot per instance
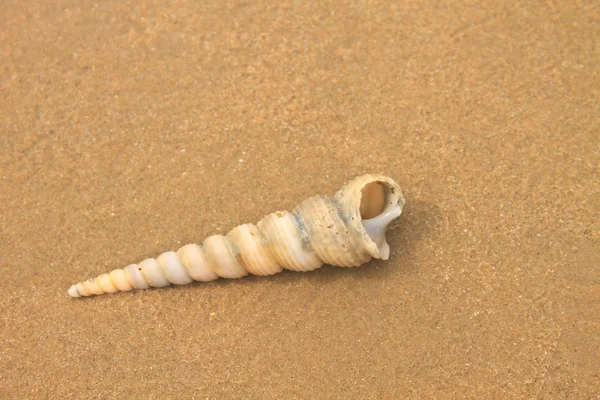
(132, 128)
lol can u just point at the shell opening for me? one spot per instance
(379, 207)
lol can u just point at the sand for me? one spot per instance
(132, 128)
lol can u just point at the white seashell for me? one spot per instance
(345, 230)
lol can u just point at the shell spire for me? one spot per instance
(345, 230)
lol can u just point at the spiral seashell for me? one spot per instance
(345, 230)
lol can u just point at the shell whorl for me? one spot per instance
(345, 230)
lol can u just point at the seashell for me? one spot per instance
(345, 230)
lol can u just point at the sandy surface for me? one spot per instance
(131, 128)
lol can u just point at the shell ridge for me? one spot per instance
(237, 253)
(306, 245)
(352, 234)
(263, 248)
(271, 240)
(277, 246)
(183, 268)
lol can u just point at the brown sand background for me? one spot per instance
(131, 128)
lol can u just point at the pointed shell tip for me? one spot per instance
(73, 291)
